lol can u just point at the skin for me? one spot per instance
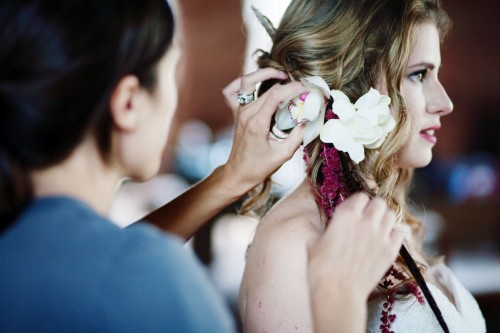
(139, 119)
(277, 261)
(425, 97)
(142, 119)
(254, 156)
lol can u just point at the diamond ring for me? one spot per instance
(245, 98)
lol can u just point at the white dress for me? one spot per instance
(411, 316)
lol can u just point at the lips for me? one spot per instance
(428, 134)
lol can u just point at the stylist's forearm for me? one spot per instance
(340, 311)
(186, 214)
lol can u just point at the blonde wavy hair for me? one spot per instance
(355, 45)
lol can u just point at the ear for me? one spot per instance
(124, 104)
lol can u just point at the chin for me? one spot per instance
(146, 174)
(415, 160)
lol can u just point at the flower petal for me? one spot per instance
(284, 119)
(339, 95)
(368, 100)
(313, 105)
(344, 110)
(357, 153)
(376, 144)
(389, 124)
(313, 128)
(364, 131)
(368, 114)
(333, 131)
(316, 82)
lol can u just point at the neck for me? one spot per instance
(83, 175)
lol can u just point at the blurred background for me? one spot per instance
(457, 195)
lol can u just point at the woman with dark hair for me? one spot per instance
(87, 94)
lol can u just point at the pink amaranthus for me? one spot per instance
(387, 317)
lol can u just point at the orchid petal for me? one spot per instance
(333, 131)
(389, 124)
(313, 128)
(313, 105)
(368, 114)
(357, 153)
(376, 144)
(316, 82)
(364, 131)
(339, 95)
(344, 110)
(368, 100)
(284, 119)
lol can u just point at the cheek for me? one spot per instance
(415, 105)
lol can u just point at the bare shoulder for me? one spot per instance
(293, 221)
(274, 293)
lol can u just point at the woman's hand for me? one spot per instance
(359, 244)
(348, 261)
(255, 155)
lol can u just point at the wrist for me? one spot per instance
(343, 307)
(337, 290)
(232, 181)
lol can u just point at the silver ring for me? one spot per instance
(245, 98)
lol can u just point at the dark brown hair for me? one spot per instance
(59, 63)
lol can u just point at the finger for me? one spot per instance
(375, 210)
(389, 221)
(246, 84)
(270, 100)
(396, 241)
(249, 81)
(229, 93)
(356, 202)
(290, 145)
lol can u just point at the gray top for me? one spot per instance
(64, 268)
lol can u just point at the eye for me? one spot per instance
(418, 76)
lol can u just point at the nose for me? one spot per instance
(440, 103)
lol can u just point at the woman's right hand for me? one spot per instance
(348, 261)
(255, 155)
(357, 247)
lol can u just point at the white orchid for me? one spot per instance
(364, 124)
(308, 108)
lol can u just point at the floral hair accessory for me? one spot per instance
(364, 124)
(308, 108)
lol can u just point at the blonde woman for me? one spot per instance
(371, 116)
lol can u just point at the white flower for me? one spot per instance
(308, 108)
(364, 124)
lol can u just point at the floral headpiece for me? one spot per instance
(364, 124)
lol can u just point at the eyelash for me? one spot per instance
(418, 76)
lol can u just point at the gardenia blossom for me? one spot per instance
(308, 108)
(364, 124)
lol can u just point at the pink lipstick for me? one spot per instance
(429, 134)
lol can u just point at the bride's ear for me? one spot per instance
(124, 104)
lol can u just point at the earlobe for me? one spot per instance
(123, 104)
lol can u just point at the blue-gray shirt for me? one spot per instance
(64, 268)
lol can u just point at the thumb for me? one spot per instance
(294, 140)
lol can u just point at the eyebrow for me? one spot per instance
(428, 65)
